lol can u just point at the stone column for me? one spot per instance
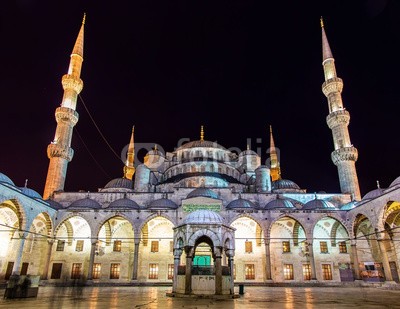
(354, 260)
(177, 259)
(230, 254)
(188, 273)
(45, 274)
(385, 260)
(17, 264)
(311, 257)
(135, 259)
(218, 271)
(268, 260)
(91, 259)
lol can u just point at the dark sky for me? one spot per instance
(169, 66)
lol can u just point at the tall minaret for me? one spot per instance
(275, 168)
(60, 151)
(129, 168)
(345, 155)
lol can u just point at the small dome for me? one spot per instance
(349, 206)
(84, 203)
(119, 183)
(279, 203)
(6, 179)
(155, 152)
(394, 183)
(373, 194)
(55, 205)
(200, 143)
(30, 192)
(241, 203)
(163, 203)
(318, 204)
(203, 216)
(284, 184)
(248, 152)
(204, 192)
(124, 203)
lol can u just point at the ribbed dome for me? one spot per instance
(201, 143)
(54, 204)
(373, 194)
(30, 192)
(241, 203)
(84, 203)
(395, 182)
(6, 179)
(204, 192)
(284, 184)
(279, 203)
(203, 216)
(248, 153)
(119, 183)
(124, 203)
(318, 204)
(163, 203)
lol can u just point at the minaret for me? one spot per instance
(202, 133)
(345, 155)
(275, 169)
(129, 168)
(59, 151)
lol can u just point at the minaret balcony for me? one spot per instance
(344, 154)
(339, 117)
(66, 114)
(334, 84)
(58, 151)
(70, 82)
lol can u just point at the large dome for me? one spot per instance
(124, 203)
(201, 143)
(119, 183)
(6, 179)
(163, 203)
(395, 182)
(84, 203)
(373, 194)
(284, 184)
(30, 192)
(203, 192)
(318, 204)
(241, 203)
(204, 216)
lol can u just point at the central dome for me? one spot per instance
(201, 143)
(204, 216)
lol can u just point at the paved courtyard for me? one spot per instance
(254, 297)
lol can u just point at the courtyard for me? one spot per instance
(254, 297)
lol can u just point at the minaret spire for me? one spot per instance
(275, 168)
(202, 133)
(345, 154)
(59, 151)
(129, 168)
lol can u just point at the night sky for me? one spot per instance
(168, 67)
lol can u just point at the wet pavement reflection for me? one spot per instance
(254, 297)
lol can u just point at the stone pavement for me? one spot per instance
(254, 297)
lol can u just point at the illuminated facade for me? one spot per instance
(200, 208)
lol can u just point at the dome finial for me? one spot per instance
(155, 147)
(321, 20)
(378, 184)
(248, 147)
(202, 133)
(26, 183)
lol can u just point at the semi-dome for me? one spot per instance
(201, 143)
(203, 216)
(84, 203)
(279, 203)
(119, 183)
(6, 179)
(124, 203)
(395, 182)
(284, 184)
(55, 205)
(318, 204)
(203, 192)
(373, 194)
(29, 192)
(241, 203)
(163, 203)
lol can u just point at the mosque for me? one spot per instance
(200, 215)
